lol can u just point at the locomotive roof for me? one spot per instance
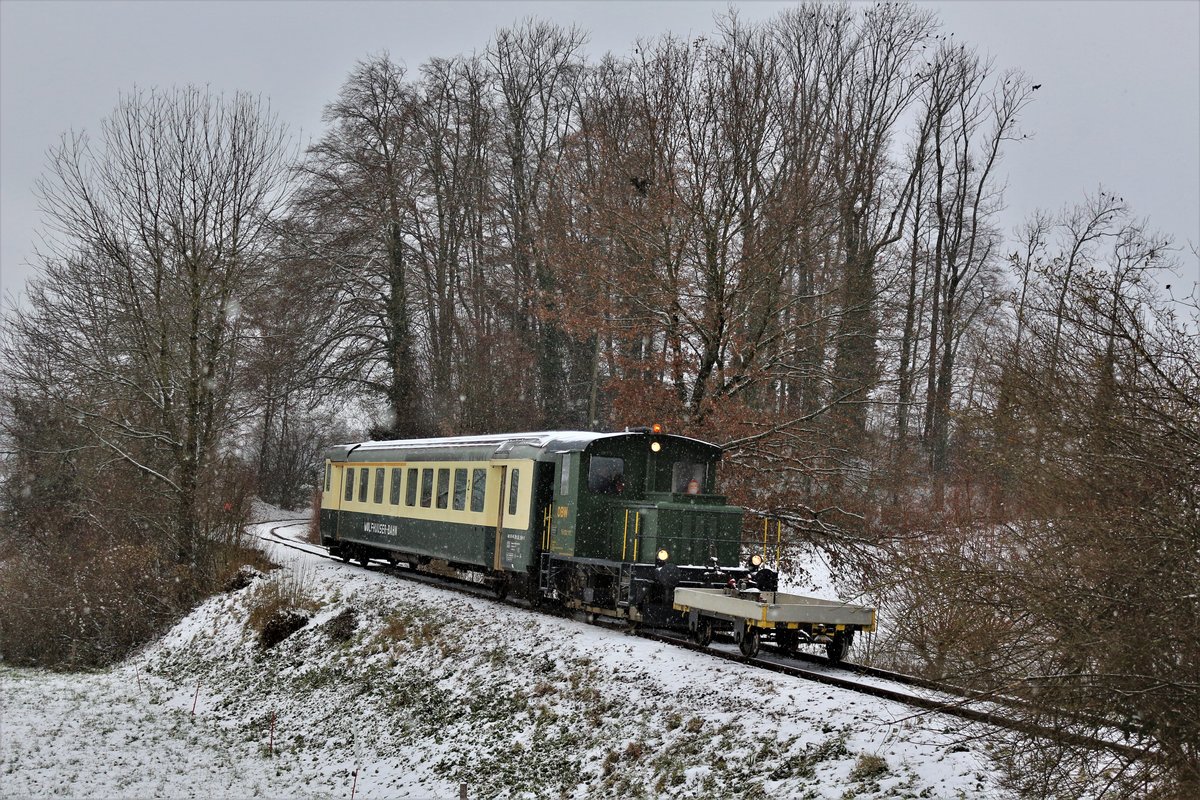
(539, 445)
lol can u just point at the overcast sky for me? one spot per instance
(1120, 103)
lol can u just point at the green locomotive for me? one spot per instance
(607, 523)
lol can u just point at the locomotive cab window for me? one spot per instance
(565, 483)
(688, 477)
(350, 483)
(606, 475)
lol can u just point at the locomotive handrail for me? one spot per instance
(778, 537)
(637, 533)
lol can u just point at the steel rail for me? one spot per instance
(977, 695)
(953, 708)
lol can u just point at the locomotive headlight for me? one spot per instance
(662, 555)
(756, 560)
(655, 446)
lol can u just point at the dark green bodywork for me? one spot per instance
(652, 510)
(646, 515)
(469, 545)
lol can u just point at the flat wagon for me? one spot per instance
(788, 619)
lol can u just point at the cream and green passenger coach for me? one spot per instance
(605, 522)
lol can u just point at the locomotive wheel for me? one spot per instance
(703, 633)
(787, 639)
(749, 643)
(839, 648)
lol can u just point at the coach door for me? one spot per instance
(499, 474)
(332, 500)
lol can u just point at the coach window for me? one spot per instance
(513, 487)
(410, 490)
(478, 489)
(394, 498)
(364, 478)
(426, 488)
(606, 475)
(379, 475)
(328, 475)
(460, 490)
(443, 488)
(350, 483)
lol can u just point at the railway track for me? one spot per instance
(275, 537)
(943, 698)
(965, 694)
(947, 699)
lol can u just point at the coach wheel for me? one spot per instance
(344, 553)
(787, 639)
(364, 558)
(703, 633)
(839, 647)
(500, 588)
(749, 642)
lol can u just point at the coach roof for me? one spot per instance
(538, 445)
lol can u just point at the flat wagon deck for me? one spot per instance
(788, 619)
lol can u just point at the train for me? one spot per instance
(604, 523)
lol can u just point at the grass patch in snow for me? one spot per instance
(281, 605)
(869, 767)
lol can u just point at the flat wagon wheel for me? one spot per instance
(787, 639)
(703, 633)
(839, 647)
(749, 642)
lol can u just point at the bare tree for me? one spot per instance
(536, 67)
(158, 232)
(1094, 456)
(356, 207)
(970, 124)
(286, 375)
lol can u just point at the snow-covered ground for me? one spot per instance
(425, 689)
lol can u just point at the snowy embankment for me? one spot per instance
(426, 689)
